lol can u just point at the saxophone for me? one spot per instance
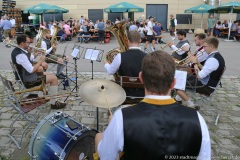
(120, 32)
(55, 31)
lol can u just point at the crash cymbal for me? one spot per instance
(102, 93)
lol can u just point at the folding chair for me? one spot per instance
(131, 83)
(210, 97)
(22, 106)
(17, 77)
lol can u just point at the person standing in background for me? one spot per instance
(172, 26)
(100, 27)
(210, 25)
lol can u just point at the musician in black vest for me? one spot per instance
(57, 58)
(129, 63)
(158, 127)
(28, 72)
(208, 74)
(181, 49)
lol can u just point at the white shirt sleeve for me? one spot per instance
(209, 66)
(205, 150)
(175, 22)
(114, 66)
(180, 52)
(22, 60)
(112, 138)
(44, 46)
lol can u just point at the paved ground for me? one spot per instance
(225, 137)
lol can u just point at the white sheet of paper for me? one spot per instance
(181, 78)
(75, 52)
(95, 55)
(88, 54)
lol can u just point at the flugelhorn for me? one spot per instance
(185, 62)
(163, 47)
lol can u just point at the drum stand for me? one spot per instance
(91, 55)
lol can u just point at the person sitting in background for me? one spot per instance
(62, 34)
(86, 35)
(218, 26)
(225, 24)
(133, 27)
(233, 29)
(238, 31)
(67, 30)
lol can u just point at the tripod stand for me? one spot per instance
(75, 54)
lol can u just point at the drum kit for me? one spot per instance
(60, 137)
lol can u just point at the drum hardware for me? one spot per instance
(108, 93)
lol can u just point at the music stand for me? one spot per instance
(76, 54)
(94, 55)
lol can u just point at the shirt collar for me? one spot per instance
(135, 48)
(213, 52)
(23, 50)
(158, 100)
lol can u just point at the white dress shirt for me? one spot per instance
(114, 66)
(112, 142)
(22, 60)
(202, 55)
(13, 22)
(180, 51)
(209, 66)
(44, 46)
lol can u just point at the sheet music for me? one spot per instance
(75, 52)
(95, 55)
(88, 53)
(92, 54)
(181, 78)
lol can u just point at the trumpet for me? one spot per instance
(163, 47)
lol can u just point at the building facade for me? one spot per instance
(161, 9)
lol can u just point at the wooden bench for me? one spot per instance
(91, 37)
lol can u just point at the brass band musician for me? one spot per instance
(209, 74)
(181, 49)
(57, 58)
(129, 63)
(44, 65)
(28, 72)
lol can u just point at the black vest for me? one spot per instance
(179, 45)
(131, 62)
(215, 75)
(153, 131)
(24, 74)
(48, 43)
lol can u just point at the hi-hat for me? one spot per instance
(102, 93)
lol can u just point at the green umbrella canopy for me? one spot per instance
(123, 7)
(233, 7)
(43, 8)
(203, 8)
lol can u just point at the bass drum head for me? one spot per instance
(83, 148)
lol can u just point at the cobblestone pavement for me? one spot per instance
(225, 137)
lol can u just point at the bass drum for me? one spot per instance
(59, 137)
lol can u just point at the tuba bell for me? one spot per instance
(120, 32)
(55, 31)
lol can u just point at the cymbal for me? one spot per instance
(102, 93)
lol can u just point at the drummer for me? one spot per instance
(158, 126)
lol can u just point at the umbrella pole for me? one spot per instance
(229, 28)
(202, 20)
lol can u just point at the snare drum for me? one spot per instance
(59, 137)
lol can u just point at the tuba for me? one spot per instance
(55, 31)
(120, 32)
(40, 36)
